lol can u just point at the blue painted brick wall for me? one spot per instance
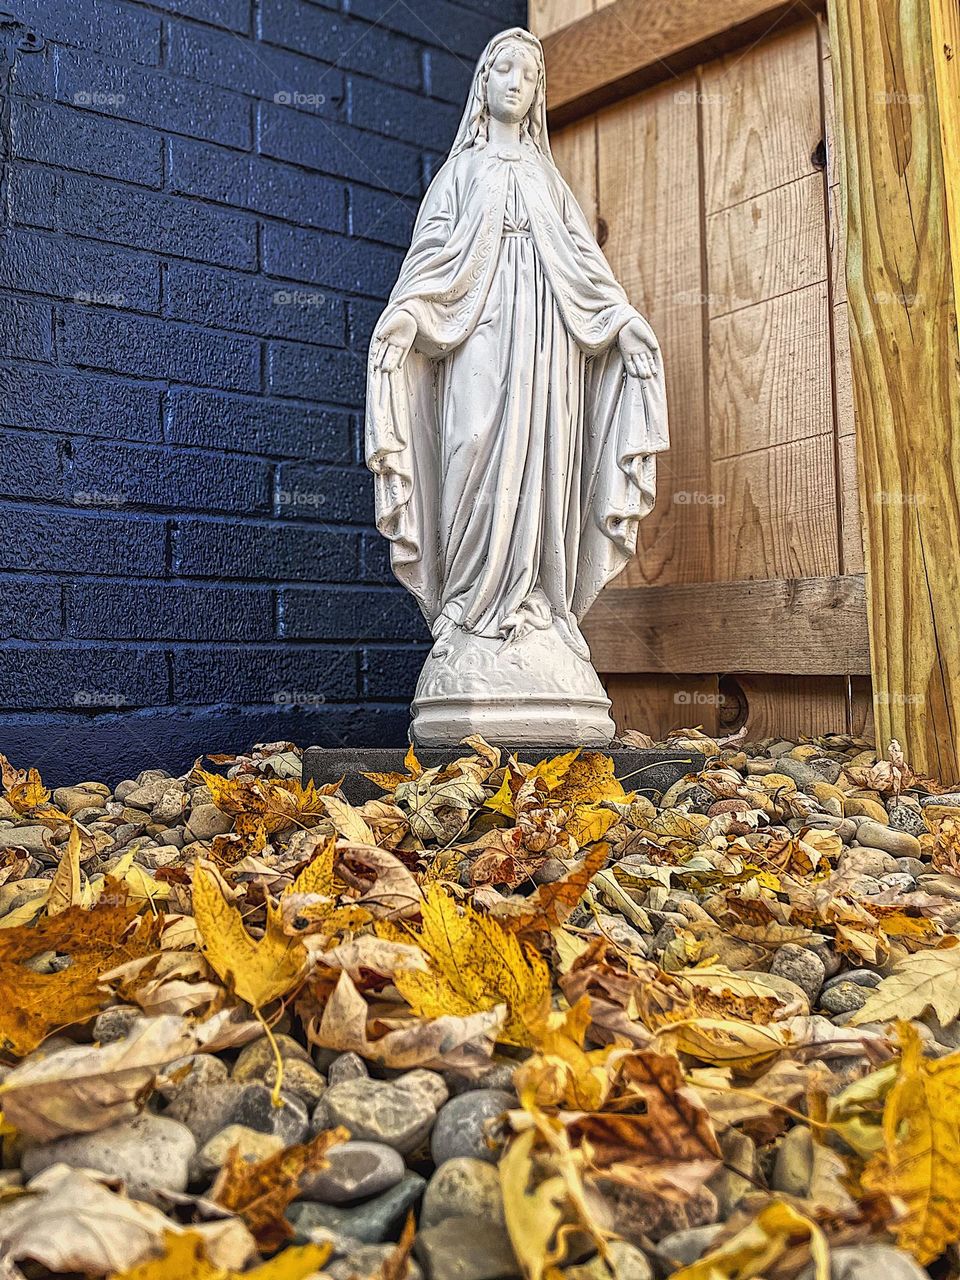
(203, 204)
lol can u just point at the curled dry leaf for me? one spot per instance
(72, 1223)
(86, 1087)
(463, 1043)
(389, 890)
(757, 1249)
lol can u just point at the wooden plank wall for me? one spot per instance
(715, 198)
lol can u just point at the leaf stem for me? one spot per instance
(277, 1057)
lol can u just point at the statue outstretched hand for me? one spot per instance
(639, 349)
(396, 338)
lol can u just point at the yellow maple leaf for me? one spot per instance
(472, 965)
(32, 1005)
(260, 970)
(311, 902)
(920, 1160)
(28, 794)
(185, 1258)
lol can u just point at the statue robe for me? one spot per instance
(513, 457)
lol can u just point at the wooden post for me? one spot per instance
(896, 66)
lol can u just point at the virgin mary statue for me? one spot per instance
(515, 407)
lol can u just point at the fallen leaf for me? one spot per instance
(926, 979)
(86, 1087)
(753, 1251)
(550, 904)
(462, 1043)
(72, 1223)
(32, 1005)
(474, 964)
(920, 1160)
(186, 1257)
(259, 970)
(260, 1191)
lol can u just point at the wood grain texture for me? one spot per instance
(889, 70)
(770, 374)
(766, 246)
(546, 16)
(657, 704)
(761, 117)
(649, 202)
(778, 518)
(812, 626)
(794, 707)
(630, 45)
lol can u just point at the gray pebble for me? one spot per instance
(207, 1109)
(801, 966)
(115, 1023)
(905, 817)
(869, 1262)
(346, 1066)
(367, 1260)
(466, 1249)
(911, 866)
(862, 977)
(843, 997)
(207, 821)
(877, 836)
(498, 1075)
(461, 1127)
(949, 799)
(372, 1222)
(461, 1187)
(689, 1245)
(898, 882)
(355, 1171)
(379, 1111)
(150, 1153)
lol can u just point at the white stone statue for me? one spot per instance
(515, 407)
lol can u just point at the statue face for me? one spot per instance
(511, 84)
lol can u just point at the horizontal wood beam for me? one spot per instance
(631, 44)
(805, 626)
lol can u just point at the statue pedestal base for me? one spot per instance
(533, 691)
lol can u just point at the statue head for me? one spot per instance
(509, 84)
(512, 78)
